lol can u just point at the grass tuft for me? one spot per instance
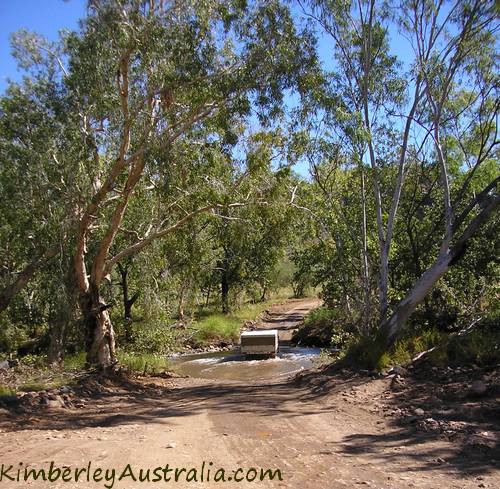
(6, 391)
(143, 362)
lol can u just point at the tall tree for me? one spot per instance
(143, 78)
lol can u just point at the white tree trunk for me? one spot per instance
(391, 328)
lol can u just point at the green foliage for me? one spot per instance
(189, 119)
(156, 338)
(33, 387)
(479, 347)
(144, 361)
(324, 327)
(34, 361)
(11, 336)
(370, 353)
(406, 348)
(75, 361)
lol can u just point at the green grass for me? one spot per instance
(75, 361)
(134, 361)
(212, 327)
(33, 387)
(6, 391)
(217, 327)
(370, 353)
(480, 347)
(143, 362)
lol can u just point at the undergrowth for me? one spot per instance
(480, 347)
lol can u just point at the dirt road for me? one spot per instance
(287, 317)
(321, 432)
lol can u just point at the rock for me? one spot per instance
(478, 387)
(249, 325)
(54, 403)
(171, 445)
(178, 325)
(419, 412)
(483, 439)
(428, 425)
(398, 370)
(4, 365)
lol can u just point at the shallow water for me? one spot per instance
(234, 366)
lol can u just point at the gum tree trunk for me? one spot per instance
(391, 328)
(99, 332)
(224, 287)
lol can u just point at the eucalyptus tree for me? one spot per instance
(455, 55)
(389, 113)
(249, 241)
(37, 188)
(39, 185)
(146, 77)
(370, 88)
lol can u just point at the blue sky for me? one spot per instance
(46, 17)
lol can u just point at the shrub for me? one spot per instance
(481, 346)
(11, 337)
(368, 352)
(34, 361)
(6, 391)
(75, 361)
(324, 327)
(158, 338)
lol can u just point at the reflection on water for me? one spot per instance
(234, 366)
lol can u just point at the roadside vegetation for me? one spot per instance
(476, 345)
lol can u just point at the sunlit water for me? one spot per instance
(234, 366)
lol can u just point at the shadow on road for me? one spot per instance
(400, 442)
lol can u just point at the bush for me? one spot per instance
(6, 391)
(371, 353)
(406, 348)
(324, 327)
(158, 338)
(367, 352)
(34, 361)
(76, 361)
(481, 346)
(11, 337)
